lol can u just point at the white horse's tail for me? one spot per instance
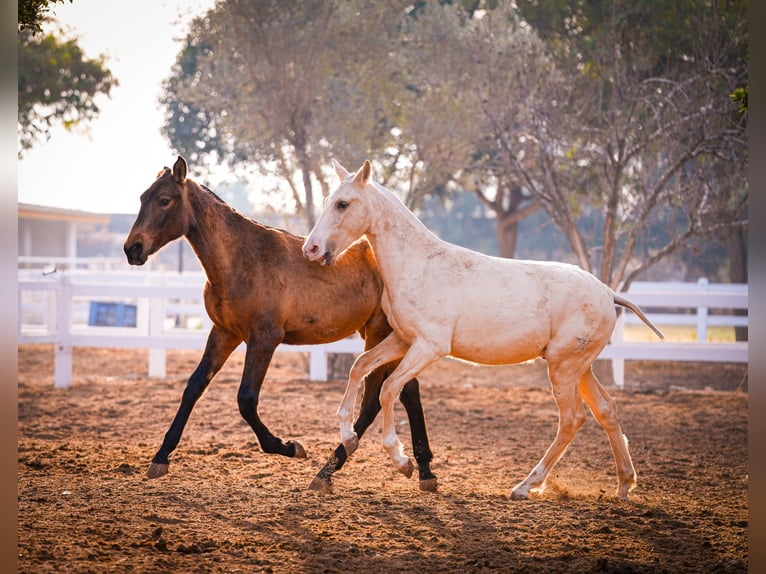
(624, 302)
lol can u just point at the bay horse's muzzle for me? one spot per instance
(135, 253)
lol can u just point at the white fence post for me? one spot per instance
(157, 355)
(62, 357)
(702, 313)
(318, 363)
(618, 336)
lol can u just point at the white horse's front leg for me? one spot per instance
(417, 358)
(389, 349)
(345, 412)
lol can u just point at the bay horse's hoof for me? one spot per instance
(428, 485)
(300, 452)
(519, 495)
(321, 485)
(407, 469)
(157, 470)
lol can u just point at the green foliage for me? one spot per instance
(740, 96)
(32, 14)
(57, 85)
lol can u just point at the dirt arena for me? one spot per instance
(86, 506)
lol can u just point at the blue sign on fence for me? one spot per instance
(111, 314)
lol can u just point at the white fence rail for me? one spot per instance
(681, 297)
(56, 308)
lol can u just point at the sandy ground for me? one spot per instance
(85, 504)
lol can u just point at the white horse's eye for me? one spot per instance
(341, 205)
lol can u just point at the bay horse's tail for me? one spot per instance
(624, 302)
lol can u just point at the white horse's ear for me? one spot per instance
(341, 171)
(363, 175)
(179, 170)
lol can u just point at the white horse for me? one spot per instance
(442, 299)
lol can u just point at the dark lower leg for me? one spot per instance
(257, 360)
(219, 346)
(270, 444)
(369, 410)
(410, 397)
(197, 384)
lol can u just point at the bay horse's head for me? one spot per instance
(163, 217)
(345, 217)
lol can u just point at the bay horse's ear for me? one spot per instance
(179, 170)
(363, 175)
(340, 171)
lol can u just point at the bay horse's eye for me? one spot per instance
(164, 201)
(341, 205)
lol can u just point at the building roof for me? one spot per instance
(44, 212)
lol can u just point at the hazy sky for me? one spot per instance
(106, 168)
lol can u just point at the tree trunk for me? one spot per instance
(308, 210)
(507, 235)
(508, 217)
(736, 245)
(299, 143)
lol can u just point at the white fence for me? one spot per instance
(56, 308)
(682, 297)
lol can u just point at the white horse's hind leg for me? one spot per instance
(604, 410)
(417, 358)
(571, 418)
(389, 349)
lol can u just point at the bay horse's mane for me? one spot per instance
(167, 172)
(214, 194)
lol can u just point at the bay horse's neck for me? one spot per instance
(214, 231)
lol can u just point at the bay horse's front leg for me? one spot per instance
(219, 346)
(260, 349)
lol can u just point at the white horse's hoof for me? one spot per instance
(351, 444)
(407, 468)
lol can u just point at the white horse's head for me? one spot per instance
(344, 219)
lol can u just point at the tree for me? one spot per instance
(454, 61)
(269, 83)
(644, 126)
(57, 84)
(616, 120)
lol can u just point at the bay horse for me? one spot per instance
(261, 290)
(442, 299)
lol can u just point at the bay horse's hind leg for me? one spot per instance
(604, 409)
(260, 349)
(410, 397)
(566, 391)
(219, 346)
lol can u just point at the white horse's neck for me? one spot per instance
(398, 238)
